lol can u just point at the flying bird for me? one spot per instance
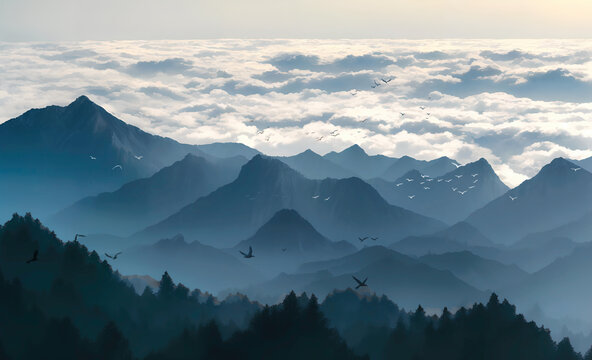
(411, 196)
(260, 132)
(363, 238)
(473, 175)
(449, 180)
(327, 198)
(454, 189)
(513, 198)
(249, 254)
(374, 238)
(410, 180)
(399, 184)
(92, 157)
(424, 176)
(458, 176)
(472, 186)
(576, 169)
(474, 182)
(376, 83)
(462, 192)
(440, 180)
(426, 187)
(117, 167)
(387, 81)
(422, 107)
(402, 114)
(139, 157)
(360, 283)
(316, 197)
(114, 257)
(320, 138)
(455, 164)
(34, 258)
(77, 236)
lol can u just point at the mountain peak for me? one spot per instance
(82, 99)
(355, 149)
(264, 166)
(557, 166)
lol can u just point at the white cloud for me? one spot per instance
(228, 90)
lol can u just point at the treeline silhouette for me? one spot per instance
(71, 305)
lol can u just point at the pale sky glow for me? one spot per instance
(39, 20)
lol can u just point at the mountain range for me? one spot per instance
(56, 155)
(341, 209)
(560, 193)
(450, 197)
(143, 202)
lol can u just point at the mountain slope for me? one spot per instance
(555, 196)
(579, 230)
(288, 240)
(54, 156)
(450, 197)
(140, 203)
(339, 209)
(355, 159)
(433, 168)
(484, 274)
(194, 264)
(314, 166)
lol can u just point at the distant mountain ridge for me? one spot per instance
(450, 197)
(142, 202)
(342, 209)
(54, 156)
(557, 195)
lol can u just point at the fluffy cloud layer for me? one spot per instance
(516, 103)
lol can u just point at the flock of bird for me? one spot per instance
(118, 166)
(427, 179)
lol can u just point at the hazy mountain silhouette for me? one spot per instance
(140, 282)
(433, 168)
(441, 197)
(555, 196)
(458, 237)
(400, 277)
(288, 240)
(228, 150)
(194, 264)
(355, 159)
(483, 274)
(579, 230)
(273, 290)
(54, 156)
(585, 163)
(315, 166)
(140, 203)
(340, 209)
(560, 289)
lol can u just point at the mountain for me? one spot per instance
(458, 237)
(450, 197)
(433, 168)
(314, 166)
(579, 230)
(140, 203)
(228, 150)
(405, 280)
(585, 163)
(555, 196)
(288, 240)
(561, 289)
(483, 274)
(53, 156)
(355, 159)
(341, 209)
(194, 264)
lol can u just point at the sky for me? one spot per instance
(61, 20)
(517, 103)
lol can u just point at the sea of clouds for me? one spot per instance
(517, 103)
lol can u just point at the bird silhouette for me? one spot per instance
(476, 180)
(360, 283)
(462, 192)
(455, 164)
(410, 180)
(458, 176)
(315, 197)
(576, 169)
(249, 254)
(473, 175)
(320, 138)
(426, 188)
(411, 196)
(387, 81)
(92, 157)
(399, 184)
(402, 114)
(284, 249)
(117, 167)
(424, 176)
(114, 257)
(363, 238)
(77, 236)
(327, 198)
(449, 180)
(376, 83)
(374, 238)
(454, 189)
(34, 258)
(513, 198)
(471, 187)
(138, 157)
(422, 107)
